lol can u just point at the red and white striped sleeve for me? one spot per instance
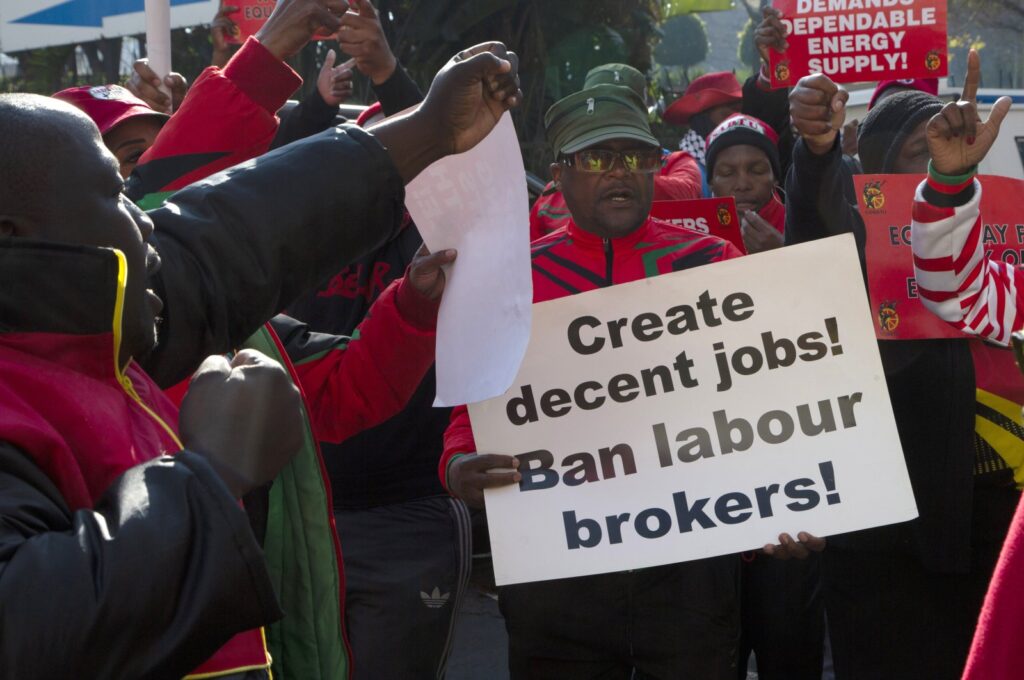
(956, 281)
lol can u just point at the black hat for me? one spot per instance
(740, 128)
(887, 126)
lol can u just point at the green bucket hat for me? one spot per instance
(617, 74)
(596, 114)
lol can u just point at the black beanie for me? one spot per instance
(740, 128)
(887, 126)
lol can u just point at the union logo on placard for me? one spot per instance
(888, 318)
(874, 199)
(782, 71)
(724, 216)
(932, 60)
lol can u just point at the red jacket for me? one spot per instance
(229, 117)
(679, 179)
(571, 261)
(774, 213)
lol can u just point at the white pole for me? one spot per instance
(158, 39)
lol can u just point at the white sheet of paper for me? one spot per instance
(477, 203)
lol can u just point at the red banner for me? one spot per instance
(251, 16)
(714, 216)
(858, 40)
(885, 203)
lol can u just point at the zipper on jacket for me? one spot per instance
(609, 258)
(122, 378)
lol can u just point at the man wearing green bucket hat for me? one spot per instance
(672, 621)
(678, 178)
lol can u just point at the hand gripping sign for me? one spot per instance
(858, 40)
(695, 414)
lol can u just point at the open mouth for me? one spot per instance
(619, 196)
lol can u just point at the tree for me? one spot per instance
(746, 50)
(557, 42)
(684, 44)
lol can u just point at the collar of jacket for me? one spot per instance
(63, 398)
(774, 212)
(586, 240)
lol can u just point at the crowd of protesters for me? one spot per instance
(218, 451)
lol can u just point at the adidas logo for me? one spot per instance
(436, 599)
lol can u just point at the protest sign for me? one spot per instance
(251, 16)
(477, 203)
(695, 414)
(857, 40)
(714, 216)
(885, 204)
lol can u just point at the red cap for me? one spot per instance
(928, 85)
(107, 105)
(711, 89)
(369, 113)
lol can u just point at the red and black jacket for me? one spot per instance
(97, 589)
(571, 261)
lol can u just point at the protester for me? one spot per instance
(174, 587)
(979, 296)
(382, 482)
(384, 580)
(128, 125)
(713, 97)
(743, 162)
(362, 36)
(403, 537)
(679, 620)
(679, 177)
(782, 612)
(707, 101)
(893, 591)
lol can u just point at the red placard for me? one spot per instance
(714, 216)
(885, 203)
(858, 40)
(251, 16)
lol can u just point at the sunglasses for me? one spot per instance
(602, 160)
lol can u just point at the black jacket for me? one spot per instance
(395, 461)
(931, 386)
(132, 589)
(313, 114)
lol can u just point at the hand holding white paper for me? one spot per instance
(477, 203)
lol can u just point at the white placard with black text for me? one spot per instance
(695, 414)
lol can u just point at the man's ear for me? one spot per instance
(556, 172)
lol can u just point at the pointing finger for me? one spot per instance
(970, 91)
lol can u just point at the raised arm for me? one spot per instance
(955, 280)
(240, 245)
(352, 384)
(819, 186)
